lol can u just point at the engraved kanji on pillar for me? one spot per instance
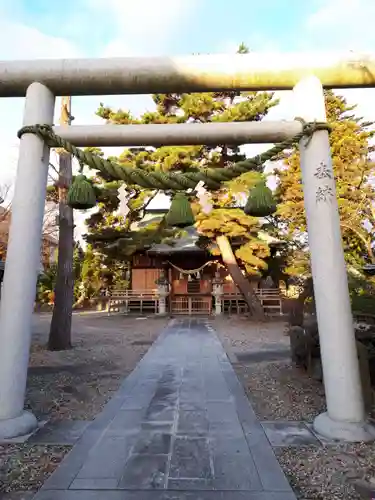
(325, 192)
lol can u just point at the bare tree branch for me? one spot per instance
(4, 201)
(49, 218)
(54, 168)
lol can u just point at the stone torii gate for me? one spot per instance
(40, 81)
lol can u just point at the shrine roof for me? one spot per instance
(188, 242)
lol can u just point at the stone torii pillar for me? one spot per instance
(345, 417)
(21, 267)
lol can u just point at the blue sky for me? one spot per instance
(211, 22)
(32, 29)
(186, 26)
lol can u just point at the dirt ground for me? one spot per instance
(280, 391)
(73, 385)
(76, 384)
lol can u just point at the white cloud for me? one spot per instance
(26, 43)
(143, 27)
(18, 41)
(344, 24)
(138, 28)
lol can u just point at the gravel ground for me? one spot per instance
(280, 391)
(25, 468)
(73, 385)
(277, 389)
(321, 473)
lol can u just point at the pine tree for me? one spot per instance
(61, 322)
(225, 223)
(354, 171)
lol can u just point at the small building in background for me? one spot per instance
(193, 275)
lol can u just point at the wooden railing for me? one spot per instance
(270, 299)
(130, 294)
(267, 292)
(261, 292)
(132, 300)
(191, 304)
(148, 301)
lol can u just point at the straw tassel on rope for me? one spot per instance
(180, 213)
(81, 194)
(260, 202)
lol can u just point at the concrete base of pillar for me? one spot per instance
(343, 431)
(19, 426)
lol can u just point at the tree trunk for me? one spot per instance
(297, 311)
(229, 259)
(61, 324)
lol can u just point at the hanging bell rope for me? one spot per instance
(180, 213)
(260, 202)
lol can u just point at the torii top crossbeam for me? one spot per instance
(199, 73)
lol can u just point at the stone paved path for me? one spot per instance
(179, 428)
